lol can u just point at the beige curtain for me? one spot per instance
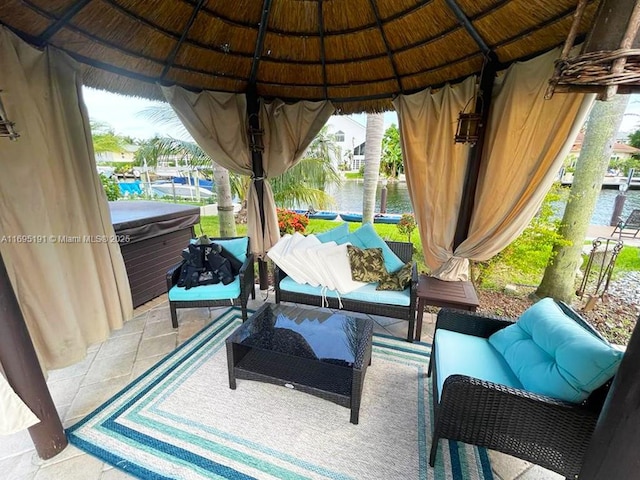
(218, 123)
(527, 139)
(288, 131)
(71, 294)
(435, 166)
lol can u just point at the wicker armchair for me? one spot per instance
(549, 432)
(246, 277)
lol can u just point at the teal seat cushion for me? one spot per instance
(366, 237)
(366, 293)
(216, 291)
(553, 355)
(334, 234)
(457, 353)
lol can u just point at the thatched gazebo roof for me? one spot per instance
(356, 53)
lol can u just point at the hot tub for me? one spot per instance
(151, 236)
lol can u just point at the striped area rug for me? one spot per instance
(180, 420)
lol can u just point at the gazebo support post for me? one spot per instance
(483, 103)
(256, 145)
(613, 450)
(23, 372)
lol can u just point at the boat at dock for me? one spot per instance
(391, 218)
(317, 215)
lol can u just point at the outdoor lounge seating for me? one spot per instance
(235, 293)
(365, 299)
(479, 382)
(629, 227)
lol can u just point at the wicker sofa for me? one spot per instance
(377, 304)
(537, 428)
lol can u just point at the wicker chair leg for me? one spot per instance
(244, 310)
(433, 353)
(174, 316)
(253, 291)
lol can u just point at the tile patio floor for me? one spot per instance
(147, 338)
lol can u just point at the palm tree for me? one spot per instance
(305, 183)
(604, 122)
(164, 114)
(391, 164)
(372, 154)
(105, 139)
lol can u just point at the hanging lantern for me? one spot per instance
(6, 126)
(468, 128)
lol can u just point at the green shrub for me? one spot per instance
(111, 188)
(407, 225)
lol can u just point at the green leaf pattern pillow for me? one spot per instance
(397, 280)
(366, 265)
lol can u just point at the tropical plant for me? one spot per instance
(634, 139)
(111, 188)
(372, 154)
(305, 183)
(391, 163)
(105, 139)
(291, 222)
(407, 225)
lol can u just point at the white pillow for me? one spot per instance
(280, 255)
(316, 263)
(297, 255)
(336, 262)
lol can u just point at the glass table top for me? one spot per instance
(316, 334)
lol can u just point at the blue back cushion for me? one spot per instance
(236, 246)
(367, 237)
(334, 234)
(553, 355)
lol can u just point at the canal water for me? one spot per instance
(349, 199)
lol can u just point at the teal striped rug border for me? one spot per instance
(457, 464)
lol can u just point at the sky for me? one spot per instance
(123, 114)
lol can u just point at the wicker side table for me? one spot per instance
(432, 291)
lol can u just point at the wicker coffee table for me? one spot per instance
(315, 351)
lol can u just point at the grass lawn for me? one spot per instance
(353, 175)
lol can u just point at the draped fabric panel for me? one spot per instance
(288, 131)
(58, 241)
(527, 139)
(435, 166)
(218, 123)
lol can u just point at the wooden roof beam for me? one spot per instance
(172, 56)
(262, 32)
(56, 26)
(464, 20)
(392, 60)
